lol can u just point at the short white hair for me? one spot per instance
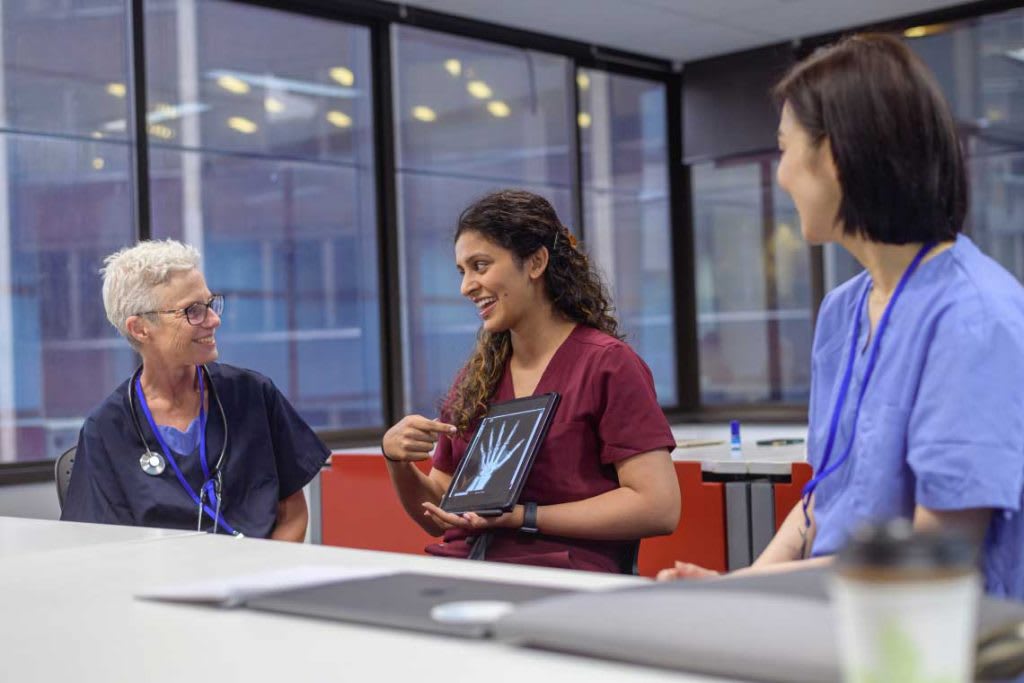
(131, 274)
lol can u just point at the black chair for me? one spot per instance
(630, 561)
(62, 473)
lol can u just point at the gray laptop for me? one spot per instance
(420, 602)
(763, 628)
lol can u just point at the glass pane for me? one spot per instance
(753, 286)
(224, 76)
(287, 228)
(65, 67)
(980, 66)
(471, 117)
(67, 204)
(626, 209)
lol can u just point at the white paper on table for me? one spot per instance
(232, 591)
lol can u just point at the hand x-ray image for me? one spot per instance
(498, 460)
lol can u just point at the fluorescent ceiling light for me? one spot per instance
(339, 119)
(343, 75)
(479, 90)
(453, 67)
(422, 113)
(242, 125)
(498, 109)
(286, 84)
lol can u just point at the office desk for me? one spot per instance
(69, 615)
(759, 486)
(20, 536)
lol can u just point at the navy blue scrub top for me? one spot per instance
(271, 454)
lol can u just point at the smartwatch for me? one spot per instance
(529, 519)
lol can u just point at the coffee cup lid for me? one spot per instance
(895, 545)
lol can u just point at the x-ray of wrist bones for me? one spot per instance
(493, 456)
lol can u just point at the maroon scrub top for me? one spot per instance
(608, 412)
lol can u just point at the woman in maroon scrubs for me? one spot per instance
(603, 477)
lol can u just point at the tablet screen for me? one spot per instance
(492, 473)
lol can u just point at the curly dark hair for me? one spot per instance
(522, 222)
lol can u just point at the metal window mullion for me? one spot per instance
(392, 371)
(140, 147)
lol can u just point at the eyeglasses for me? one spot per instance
(197, 312)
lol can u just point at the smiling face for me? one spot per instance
(807, 172)
(503, 290)
(168, 338)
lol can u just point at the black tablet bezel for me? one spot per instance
(495, 505)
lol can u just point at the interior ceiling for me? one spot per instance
(683, 30)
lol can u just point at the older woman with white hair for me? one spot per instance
(186, 442)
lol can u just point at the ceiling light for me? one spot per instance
(98, 163)
(233, 84)
(1016, 54)
(169, 112)
(273, 105)
(479, 90)
(242, 125)
(276, 84)
(453, 66)
(97, 135)
(498, 109)
(422, 113)
(339, 119)
(159, 130)
(922, 31)
(582, 80)
(343, 76)
(583, 119)
(116, 89)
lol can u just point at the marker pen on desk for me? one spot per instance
(735, 449)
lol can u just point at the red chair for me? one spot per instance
(788, 495)
(360, 509)
(700, 536)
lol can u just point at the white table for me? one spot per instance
(20, 536)
(69, 615)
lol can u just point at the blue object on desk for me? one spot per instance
(734, 438)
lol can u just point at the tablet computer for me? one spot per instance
(491, 475)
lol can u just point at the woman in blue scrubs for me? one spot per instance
(187, 443)
(917, 389)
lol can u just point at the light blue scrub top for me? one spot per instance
(942, 422)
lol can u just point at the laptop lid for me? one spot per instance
(414, 601)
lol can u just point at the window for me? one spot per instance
(626, 211)
(66, 200)
(754, 296)
(261, 153)
(980, 66)
(470, 117)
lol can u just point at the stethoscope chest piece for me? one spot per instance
(152, 463)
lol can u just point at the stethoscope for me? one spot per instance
(825, 469)
(154, 464)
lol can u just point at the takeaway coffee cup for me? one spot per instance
(906, 605)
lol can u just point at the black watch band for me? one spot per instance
(529, 519)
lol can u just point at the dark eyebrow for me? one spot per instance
(470, 258)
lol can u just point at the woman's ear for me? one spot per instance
(537, 263)
(138, 328)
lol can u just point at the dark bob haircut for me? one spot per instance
(893, 139)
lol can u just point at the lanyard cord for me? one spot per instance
(208, 481)
(837, 410)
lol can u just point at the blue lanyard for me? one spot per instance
(209, 486)
(844, 388)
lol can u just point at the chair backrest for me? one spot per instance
(630, 561)
(62, 473)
